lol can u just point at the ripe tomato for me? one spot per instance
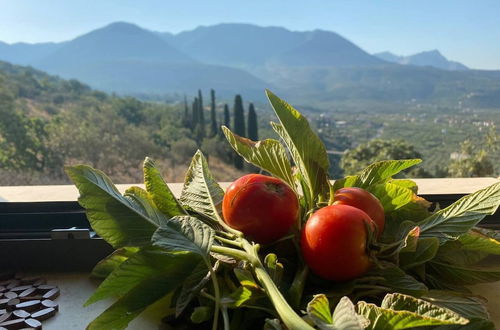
(364, 201)
(264, 208)
(334, 241)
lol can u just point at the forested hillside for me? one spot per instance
(47, 122)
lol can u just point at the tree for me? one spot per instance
(213, 119)
(475, 160)
(200, 106)
(185, 118)
(194, 113)
(253, 133)
(239, 125)
(372, 151)
(227, 117)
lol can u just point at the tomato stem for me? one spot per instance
(228, 241)
(217, 296)
(291, 319)
(235, 253)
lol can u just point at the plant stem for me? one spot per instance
(228, 241)
(217, 295)
(225, 316)
(297, 287)
(235, 253)
(286, 313)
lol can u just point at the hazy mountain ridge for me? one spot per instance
(244, 58)
(431, 58)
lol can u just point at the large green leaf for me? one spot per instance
(425, 251)
(192, 285)
(410, 184)
(120, 220)
(269, 155)
(383, 170)
(344, 316)
(159, 190)
(307, 150)
(144, 265)
(461, 216)
(383, 319)
(147, 292)
(185, 233)
(201, 192)
(391, 196)
(398, 280)
(401, 302)
(107, 265)
(457, 274)
(468, 306)
(476, 240)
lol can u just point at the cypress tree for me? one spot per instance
(185, 119)
(239, 126)
(213, 119)
(227, 117)
(253, 133)
(200, 104)
(194, 113)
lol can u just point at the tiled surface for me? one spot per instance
(70, 193)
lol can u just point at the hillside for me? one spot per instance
(47, 122)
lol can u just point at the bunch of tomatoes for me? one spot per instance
(334, 240)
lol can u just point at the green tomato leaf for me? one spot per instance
(148, 263)
(398, 280)
(458, 218)
(453, 252)
(120, 220)
(239, 297)
(318, 310)
(107, 265)
(391, 196)
(201, 314)
(306, 148)
(401, 302)
(344, 316)
(476, 240)
(468, 306)
(201, 192)
(382, 171)
(142, 198)
(274, 268)
(185, 233)
(453, 273)
(269, 155)
(164, 273)
(382, 319)
(191, 286)
(161, 194)
(426, 250)
(409, 184)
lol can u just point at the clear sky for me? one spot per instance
(467, 31)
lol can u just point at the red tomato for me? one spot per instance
(364, 201)
(334, 240)
(264, 208)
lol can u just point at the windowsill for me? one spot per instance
(69, 193)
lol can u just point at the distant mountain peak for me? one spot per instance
(432, 58)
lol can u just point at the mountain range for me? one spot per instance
(312, 67)
(431, 58)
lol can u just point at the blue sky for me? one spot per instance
(467, 31)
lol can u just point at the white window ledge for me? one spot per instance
(65, 193)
